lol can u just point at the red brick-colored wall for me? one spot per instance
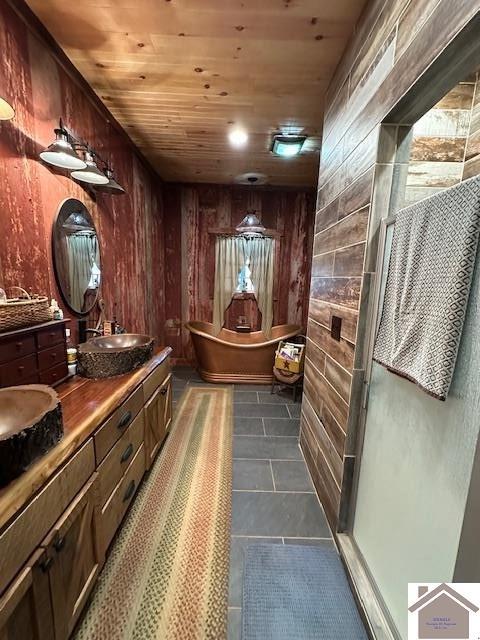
(42, 87)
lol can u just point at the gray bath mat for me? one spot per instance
(295, 592)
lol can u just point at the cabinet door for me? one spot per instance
(25, 608)
(72, 549)
(157, 420)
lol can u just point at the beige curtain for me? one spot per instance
(230, 255)
(260, 252)
(81, 253)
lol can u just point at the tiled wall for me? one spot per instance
(394, 43)
(42, 87)
(193, 211)
(472, 155)
(439, 143)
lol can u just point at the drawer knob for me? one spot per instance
(19, 345)
(59, 543)
(46, 564)
(164, 390)
(129, 491)
(124, 420)
(21, 368)
(53, 356)
(127, 453)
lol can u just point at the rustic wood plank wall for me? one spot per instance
(191, 211)
(394, 43)
(130, 227)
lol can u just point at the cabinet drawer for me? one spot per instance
(118, 503)
(49, 337)
(155, 379)
(18, 541)
(55, 374)
(18, 371)
(14, 348)
(51, 357)
(113, 467)
(114, 427)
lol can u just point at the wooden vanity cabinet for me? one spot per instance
(25, 608)
(73, 559)
(53, 548)
(158, 416)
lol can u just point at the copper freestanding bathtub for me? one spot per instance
(236, 357)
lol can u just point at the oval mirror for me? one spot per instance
(76, 256)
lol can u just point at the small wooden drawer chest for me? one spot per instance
(35, 354)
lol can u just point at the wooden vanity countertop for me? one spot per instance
(86, 403)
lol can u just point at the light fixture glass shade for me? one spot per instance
(61, 153)
(251, 226)
(288, 146)
(91, 173)
(112, 187)
(6, 110)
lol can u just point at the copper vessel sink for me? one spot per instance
(107, 356)
(30, 424)
(121, 341)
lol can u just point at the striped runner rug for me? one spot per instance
(166, 577)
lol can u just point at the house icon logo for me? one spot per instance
(443, 612)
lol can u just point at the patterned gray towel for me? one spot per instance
(429, 276)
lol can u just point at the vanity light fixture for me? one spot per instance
(287, 146)
(6, 110)
(91, 173)
(238, 138)
(61, 152)
(112, 186)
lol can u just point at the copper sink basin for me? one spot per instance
(30, 424)
(107, 356)
(122, 341)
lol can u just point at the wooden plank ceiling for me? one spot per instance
(179, 74)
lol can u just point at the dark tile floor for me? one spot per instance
(273, 496)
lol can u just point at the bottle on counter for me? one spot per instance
(71, 354)
(57, 313)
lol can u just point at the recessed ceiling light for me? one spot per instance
(238, 137)
(251, 178)
(288, 146)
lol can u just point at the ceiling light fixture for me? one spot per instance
(250, 226)
(61, 152)
(6, 110)
(91, 173)
(288, 146)
(238, 137)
